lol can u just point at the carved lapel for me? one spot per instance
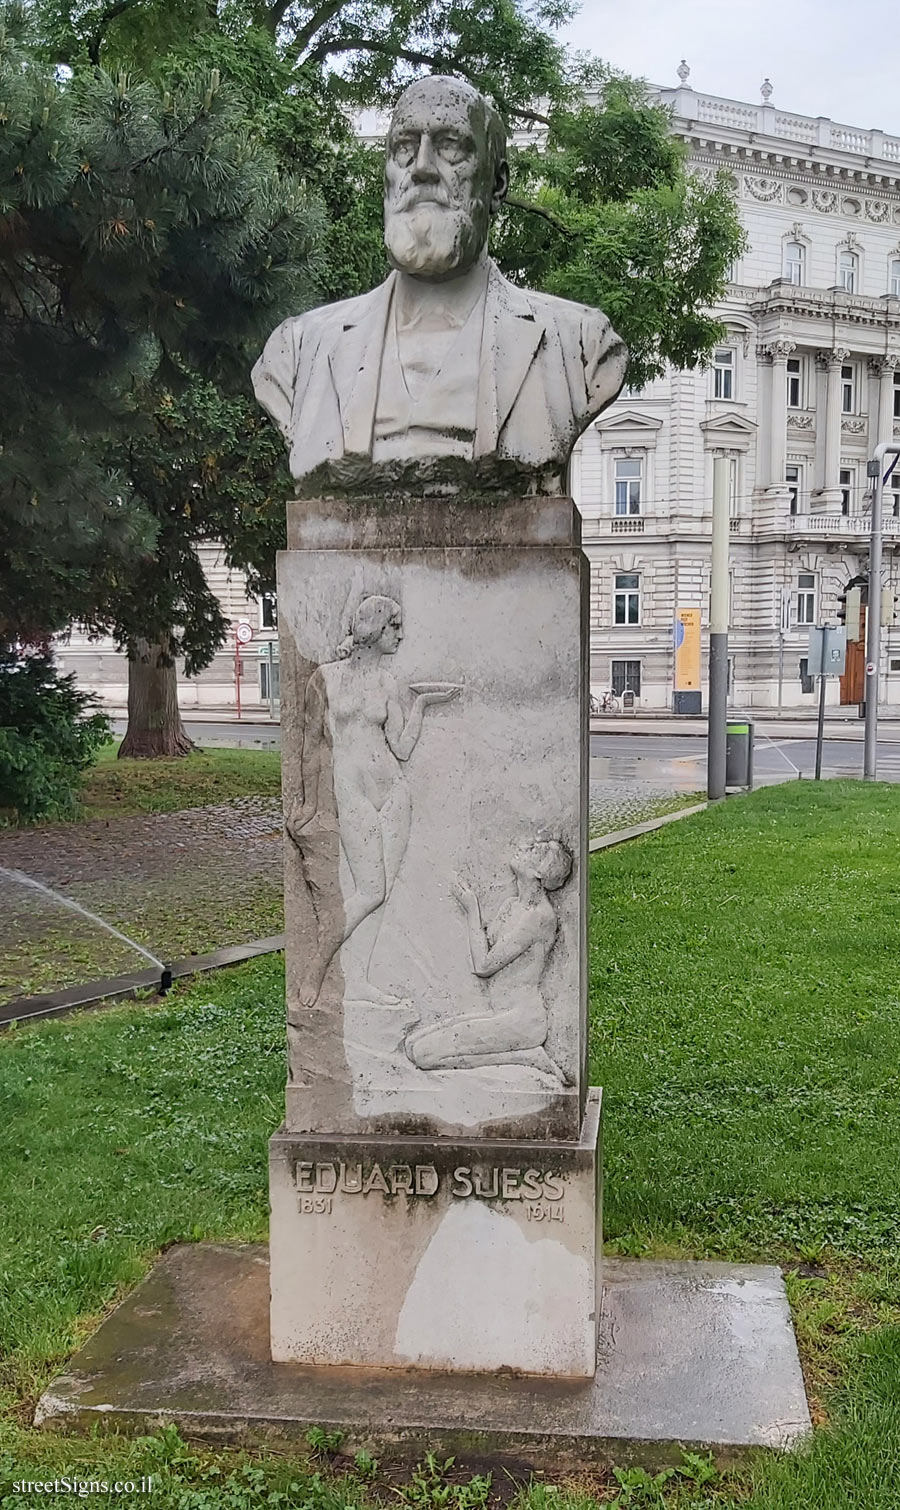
(512, 335)
(355, 364)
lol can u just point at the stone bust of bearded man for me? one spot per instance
(446, 373)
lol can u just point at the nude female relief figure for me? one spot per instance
(354, 723)
(511, 954)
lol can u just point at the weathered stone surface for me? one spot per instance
(436, 804)
(446, 373)
(445, 1255)
(700, 1355)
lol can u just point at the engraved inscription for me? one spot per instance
(544, 1212)
(316, 1183)
(314, 1205)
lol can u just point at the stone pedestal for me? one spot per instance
(434, 1185)
(439, 1254)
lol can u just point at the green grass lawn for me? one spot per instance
(746, 1020)
(119, 788)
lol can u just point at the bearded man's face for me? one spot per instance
(437, 183)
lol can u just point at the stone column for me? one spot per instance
(883, 368)
(829, 494)
(434, 1187)
(779, 351)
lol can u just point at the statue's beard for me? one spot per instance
(430, 240)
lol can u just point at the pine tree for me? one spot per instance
(147, 245)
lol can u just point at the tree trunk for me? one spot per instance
(154, 722)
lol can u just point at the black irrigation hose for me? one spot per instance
(105, 992)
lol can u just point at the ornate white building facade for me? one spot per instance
(805, 384)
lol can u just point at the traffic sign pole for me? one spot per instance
(243, 634)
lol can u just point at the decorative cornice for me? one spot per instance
(881, 190)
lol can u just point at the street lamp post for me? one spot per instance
(874, 471)
(718, 632)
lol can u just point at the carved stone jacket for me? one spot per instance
(548, 367)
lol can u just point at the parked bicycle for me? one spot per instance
(607, 702)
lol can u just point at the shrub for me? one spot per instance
(49, 734)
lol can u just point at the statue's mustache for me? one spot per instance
(410, 199)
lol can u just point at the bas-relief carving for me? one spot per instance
(391, 959)
(447, 374)
(354, 721)
(511, 954)
(767, 190)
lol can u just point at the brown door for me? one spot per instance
(853, 681)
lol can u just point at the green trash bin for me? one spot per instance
(739, 753)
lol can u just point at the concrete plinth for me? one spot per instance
(457, 1256)
(700, 1355)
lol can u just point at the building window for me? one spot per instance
(794, 259)
(893, 494)
(629, 477)
(897, 395)
(792, 478)
(626, 677)
(723, 373)
(846, 483)
(848, 390)
(806, 598)
(628, 598)
(894, 284)
(268, 611)
(794, 383)
(848, 272)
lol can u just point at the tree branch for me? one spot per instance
(110, 14)
(317, 20)
(276, 14)
(527, 114)
(326, 50)
(536, 209)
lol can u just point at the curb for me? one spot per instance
(622, 835)
(117, 987)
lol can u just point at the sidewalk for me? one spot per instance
(838, 725)
(786, 727)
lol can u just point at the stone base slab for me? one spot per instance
(699, 1355)
(461, 1256)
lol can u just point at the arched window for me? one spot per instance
(848, 272)
(894, 281)
(795, 262)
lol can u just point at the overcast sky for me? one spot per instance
(824, 57)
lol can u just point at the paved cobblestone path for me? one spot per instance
(178, 883)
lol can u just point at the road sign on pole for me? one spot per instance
(827, 651)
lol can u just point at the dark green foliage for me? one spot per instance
(145, 237)
(49, 735)
(604, 212)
